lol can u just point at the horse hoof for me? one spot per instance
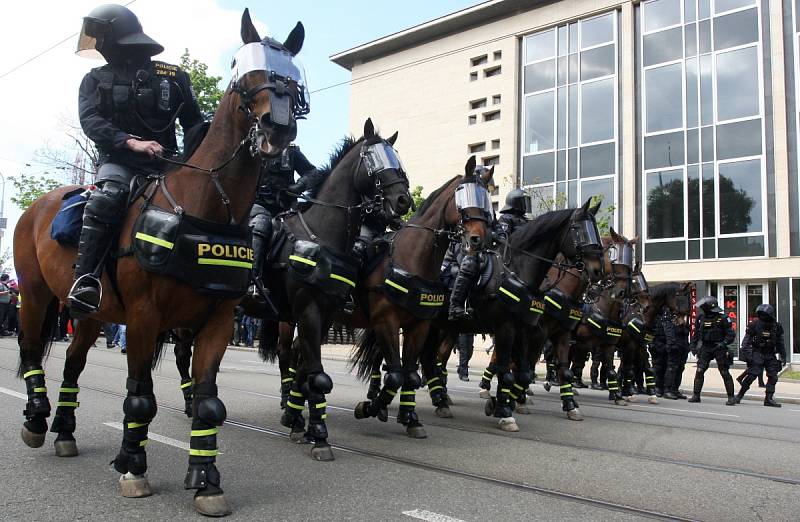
(383, 415)
(488, 408)
(575, 391)
(508, 424)
(522, 409)
(449, 401)
(416, 432)
(484, 394)
(631, 398)
(360, 411)
(621, 402)
(66, 448)
(444, 412)
(322, 453)
(212, 505)
(298, 437)
(652, 399)
(546, 386)
(134, 486)
(31, 439)
(575, 415)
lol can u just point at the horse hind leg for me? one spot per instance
(183, 360)
(64, 422)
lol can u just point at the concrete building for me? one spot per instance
(682, 114)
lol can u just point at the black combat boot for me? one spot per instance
(770, 401)
(84, 297)
(467, 271)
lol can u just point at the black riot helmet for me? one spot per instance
(709, 304)
(517, 202)
(115, 32)
(766, 312)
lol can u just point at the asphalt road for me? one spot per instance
(668, 461)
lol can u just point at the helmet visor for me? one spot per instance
(91, 37)
(473, 195)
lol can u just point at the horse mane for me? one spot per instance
(431, 198)
(338, 154)
(664, 290)
(527, 235)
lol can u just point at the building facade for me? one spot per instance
(681, 114)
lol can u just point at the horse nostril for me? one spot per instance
(264, 121)
(475, 240)
(403, 202)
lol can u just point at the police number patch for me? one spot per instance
(165, 69)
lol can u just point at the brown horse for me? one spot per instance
(217, 186)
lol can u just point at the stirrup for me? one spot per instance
(82, 307)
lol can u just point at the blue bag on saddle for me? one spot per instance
(66, 227)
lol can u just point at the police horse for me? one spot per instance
(166, 283)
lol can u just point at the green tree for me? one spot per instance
(542, 203)
(206, 87)
(29, 188)
(416, 195)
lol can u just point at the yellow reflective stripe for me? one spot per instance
(186, 384)
(505, 390)
(407, 403)
(155, 240)
(68, 404)
(565, 386)
(509, 294)
(40, 390)
(132, 425)
(594, 323)
(224, 262)
(395, 285)
(343, 280)
(552, 302)
(535, 310)
(406, 392)
(288, 379)
(634, 327)
(292, 370)
(433, 380)
(32, 373)
(375, 376)
(295, 406)
(320, 405)
(324, 416)
(517, 386)
(302, 260)
(203, 453)
(392, 393)
(426, 303)
(436, 388)
(205, 433)
(613, 334)
(69, 390)
(489, 375)
(567, 394)
(143, 443)
(295, 394)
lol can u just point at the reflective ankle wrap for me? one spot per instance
(64, 420)
(650, 380)
(316, 418)
(408, 402)
(202, 472)
(505, 380)
(613, 383)
(486, 380)
(38, 405)
(139, 408)
(186, 389)
(436, 391)
(297, 399)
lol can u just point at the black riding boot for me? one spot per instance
(84, 297)
(260, 244)
(770, 401)
(669, 384)
(594, 374)
(461, 287)
(728, 380)
(698, 387)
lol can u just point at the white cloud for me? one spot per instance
(38, 95)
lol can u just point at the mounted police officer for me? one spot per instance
(518, 204)
(277, 191)
(763, 348)
(128, 108)
(715, 331)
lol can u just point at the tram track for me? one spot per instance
(444, 470)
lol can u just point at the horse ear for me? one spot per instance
(391, 139)
(294, 42)
(249, 32)
(585, 207)
(595, 208)
(486, 177)
(633, 240)
(469, 168)
(369, 128)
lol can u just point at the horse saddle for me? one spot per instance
(333, 273)
(421, 298)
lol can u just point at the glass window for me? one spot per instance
(561, 165)
(689, 14)
(598, 188)
(663, 91)
(598, 160)
(690, 40)
(706, 91)
(736, 29)
(573, 115)
(692, 146)
(740, 197)
(540, 76)
(741, 246)
(703, 9)
(597, 30)
(693, 190)
(574, 67)
(694, 249)
(597, 111)
(665, 204)
(562, 71)
(661, 13)
(573, 37)
(562, 41)
(709, 213)
(572, 195)
(663, 46)
(720, 6)
(597, 62)
(538, 168)
(562, 118)
(709, 248)
(707, 137)
(540, 46)
(705, 36)
(539, 115)
(572, 170)
(691, 92)
(738, 140)
(737, 84)
(663, 150)
(665, 251)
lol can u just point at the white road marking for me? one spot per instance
(699, 412)
(156, 437)
(14, 394)
(430, 516)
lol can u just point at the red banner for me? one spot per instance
(693, 309)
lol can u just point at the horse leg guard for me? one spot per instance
(486, 381)
(650, 385)
(443, 374)
(522, 379)
(319, 384)
(64, 420)
(34, 429)
(503, 407)
(203, 474)
(407, 415)
(292, 417)
(131, 461)
(392, 381)
(374, 385)
(186, 389)
(568, 403)
(613, 387)
(286, 385)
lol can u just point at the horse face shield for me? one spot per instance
(475, 207)
(386, 172)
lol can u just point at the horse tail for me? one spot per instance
(158, 355)
(49, 333)
(366, 354)
(268, 345)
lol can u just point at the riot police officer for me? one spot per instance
(276, 191)
(128, 108)
(763, 348)
(676, 360)
(660, 349)
(714, 331)
(513, 213)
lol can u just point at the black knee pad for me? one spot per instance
(140, 408)
(413, 380)
(104, 204)
(505, 378)
(568, 376)
(211, 410)
(525, 378)
(393, 380)
(261, 224)
(320, 383)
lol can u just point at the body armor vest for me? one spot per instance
(764, 338)
(714, 328)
